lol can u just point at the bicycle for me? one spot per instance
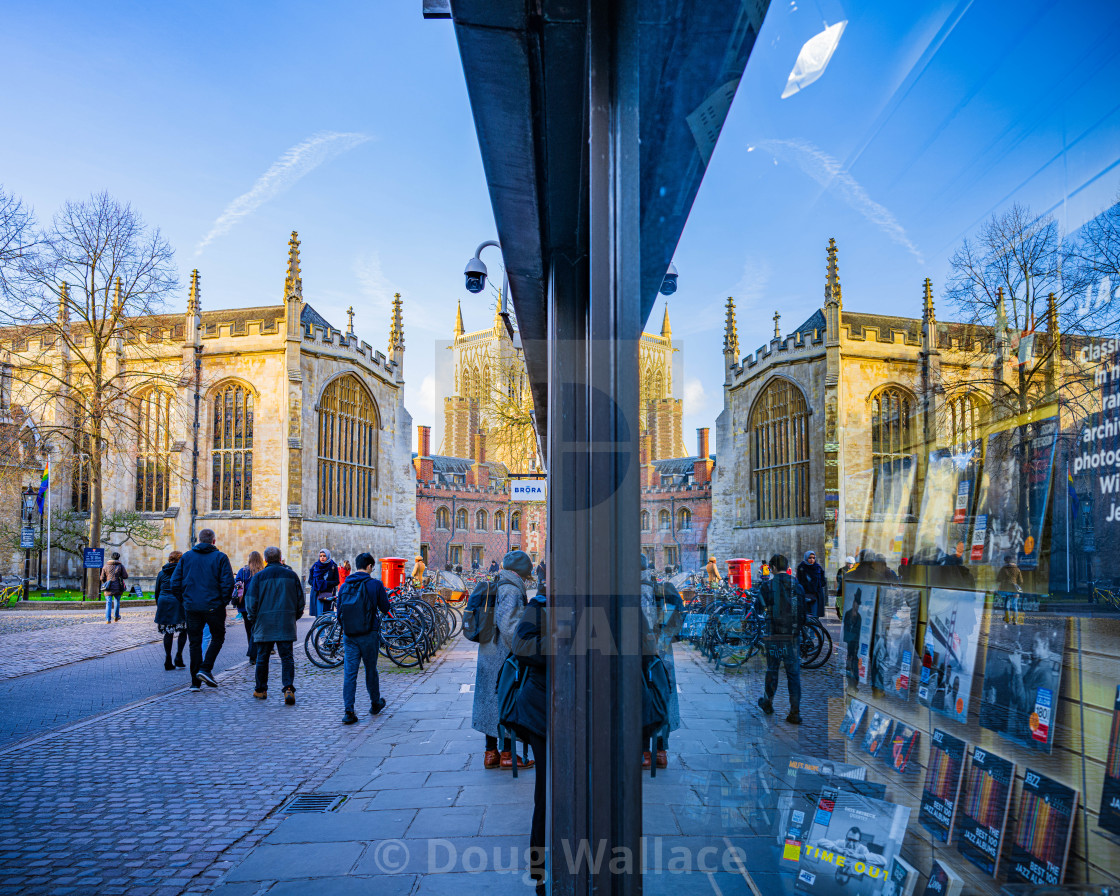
(10, 590)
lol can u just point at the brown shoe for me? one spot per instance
(646, 759)
(662, 759)
(260, 695)
(507, 761)
(290, 696)
(491, 759)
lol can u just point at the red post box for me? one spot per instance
(739, 572)
(392, 571)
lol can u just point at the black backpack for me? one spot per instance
(353, 607)
(786, 606)
(478, 617)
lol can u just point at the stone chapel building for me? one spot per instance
(303, 439)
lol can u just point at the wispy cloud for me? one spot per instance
(372, 282)
(829, 173)
(300, 160)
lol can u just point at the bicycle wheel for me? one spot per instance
(825, 650)
(323, 643)
(401, 641)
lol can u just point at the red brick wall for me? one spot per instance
(494, 544)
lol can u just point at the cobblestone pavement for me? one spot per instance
(47, 646)
(13, 621)
(164, 796)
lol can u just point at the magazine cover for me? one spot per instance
(942, 789)
(902, 878)
(892, 656)
(852, 841)
(949, 651)
(1018, 465)
(879, 731)
(943, 881)
(825, 767)
(1045, 816)
(984, 807)
(1110, 794)
(858, 628)
(853, 718)
(799, 803)
(902, 747)
(947, 501)
(1021, 677)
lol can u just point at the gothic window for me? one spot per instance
(461, 519)
(456, 554)
(664, 520)
(499, 521)
(153, 451)
(480, 520)
(892, 438)
(684, 518)
(443, 518)
(964, 411)
(645, 520)
(348, 437)
(231, 456)
(779, 443)
(515, 521)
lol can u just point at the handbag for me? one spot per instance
(511, 678)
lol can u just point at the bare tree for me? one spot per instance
(17, 239)
(507, 408)
(80, 337)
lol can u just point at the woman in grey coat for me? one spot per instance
(663, 614)
(516, 568)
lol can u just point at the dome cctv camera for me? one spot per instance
(669, 284)
(475, 272)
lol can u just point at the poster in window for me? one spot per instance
(1018, 466)
(949, 652)
(797, 810)
(879, 731)
(814, 775)
(1110, 794)
(892, 654)
(858, 629)
(942, 789)
(1022, 674)
(901, 748)
(947, 496)
(853, 718)
(984, 805)
(1045, 825)
(943, 880)
(852, 842)
(902, 878)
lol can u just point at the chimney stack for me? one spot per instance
(425, 440)
(480, 447)
(702, 443)
(702, 467)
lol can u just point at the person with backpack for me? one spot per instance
(507, 605)
(810, 574)
(784, 599)
(253, 565)
(112, 583)
(274, 601)
(202, 583)
(360, 601)
(170, 618)
(323, 579)
(663, 610)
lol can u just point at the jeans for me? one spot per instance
(537, 846)
(777, 654)
(360, 649)
(112, 606)
(287, 664)
(215, 621)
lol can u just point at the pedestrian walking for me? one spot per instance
(323, 579)
(170, 618)
(663, 610)
(530, 718)
(712, 571)
(811, 577)
(785, 604)
(274, 601)
(360, 603)
(540, 573)
(202, 582)
(516, 569)
(841, 573)
(344, 569)
(253, 565)
(419, 572)
(112, 583)
(852, 626)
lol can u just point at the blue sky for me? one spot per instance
(229, 125)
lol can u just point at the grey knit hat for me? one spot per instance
(518, 562)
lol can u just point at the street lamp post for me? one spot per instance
(29, 494)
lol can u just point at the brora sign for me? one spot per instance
(527, 489)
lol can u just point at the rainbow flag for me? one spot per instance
(44, 484)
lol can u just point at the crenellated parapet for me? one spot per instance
(802, 342)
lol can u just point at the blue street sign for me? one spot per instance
(27, 538)
(93, 558)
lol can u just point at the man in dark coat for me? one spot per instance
(493, 567)
(785, 616)
(360, 602)
(811, 577)
(273, 603)
(853, 626)
(202, 583)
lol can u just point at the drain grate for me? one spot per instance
(314, 802)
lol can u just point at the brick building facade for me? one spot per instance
(677, 506)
